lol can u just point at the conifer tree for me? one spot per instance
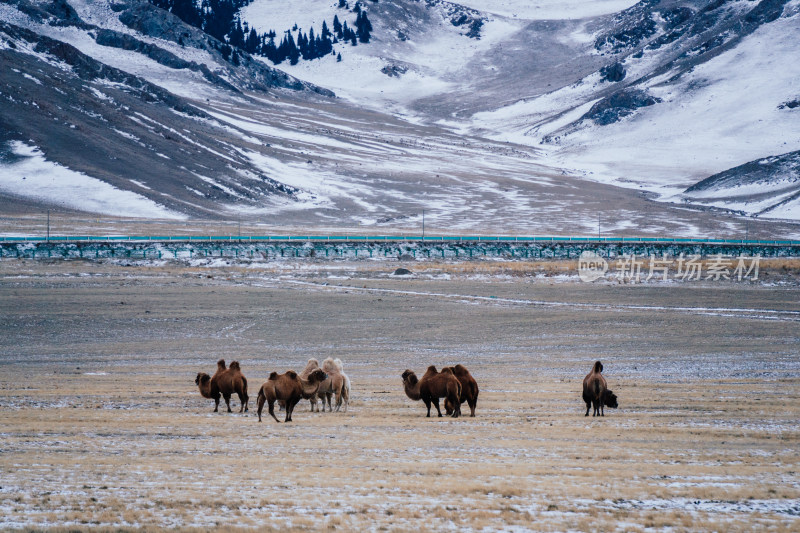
(337, 26)
(293, 53)
(252, 42)
(186, 10)
(363, 27)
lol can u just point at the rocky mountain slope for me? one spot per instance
(513, 115)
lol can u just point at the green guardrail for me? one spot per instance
(16, 239)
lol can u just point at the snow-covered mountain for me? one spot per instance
(510, 115)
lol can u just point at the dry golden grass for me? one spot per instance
(103, 428)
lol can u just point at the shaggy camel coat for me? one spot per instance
(469, 389)
(337, 384)
(432, 386)
(290, 388)
(595, 391)
(225, 382)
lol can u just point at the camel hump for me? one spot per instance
(447, 370)
(598, 367)
(460, 370)
(221, 364)
(273, 376)
(432, 368)
(291, 373)
(235, 365)
(328, 365)
(339, 364)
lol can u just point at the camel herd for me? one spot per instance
(322, 383)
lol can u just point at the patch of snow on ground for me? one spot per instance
(548, 9)
(32, 176)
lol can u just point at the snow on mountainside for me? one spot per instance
(416, 49)
(513, 115)
(654, 95)
(700, 89)
(768, 187)
(97, 100)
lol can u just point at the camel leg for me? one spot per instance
(436, 403)
(272, 410)
(261, 400)
(472, 406)
(588, 406)
(338, 400)
(428, 405)
(216, 403)
(227, 398)
(289, 411)
(328, 396)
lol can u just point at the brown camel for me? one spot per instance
(596, 393)
(225, 382)
(469, 389)
(311, 365)
(290, 388)
(432, 386)
(337, 384)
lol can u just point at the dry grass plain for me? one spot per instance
(102, 427)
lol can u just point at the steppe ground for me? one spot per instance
(101, 424)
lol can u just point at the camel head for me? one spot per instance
(317, 376)
(201, 379)
(310, 385)
(409, 377)
(598, 367)
(610, 399)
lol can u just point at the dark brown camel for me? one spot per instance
(469, 389)
(596, 393)
(290, 388)
(432, 386)
(311, 365)
(225, 382)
